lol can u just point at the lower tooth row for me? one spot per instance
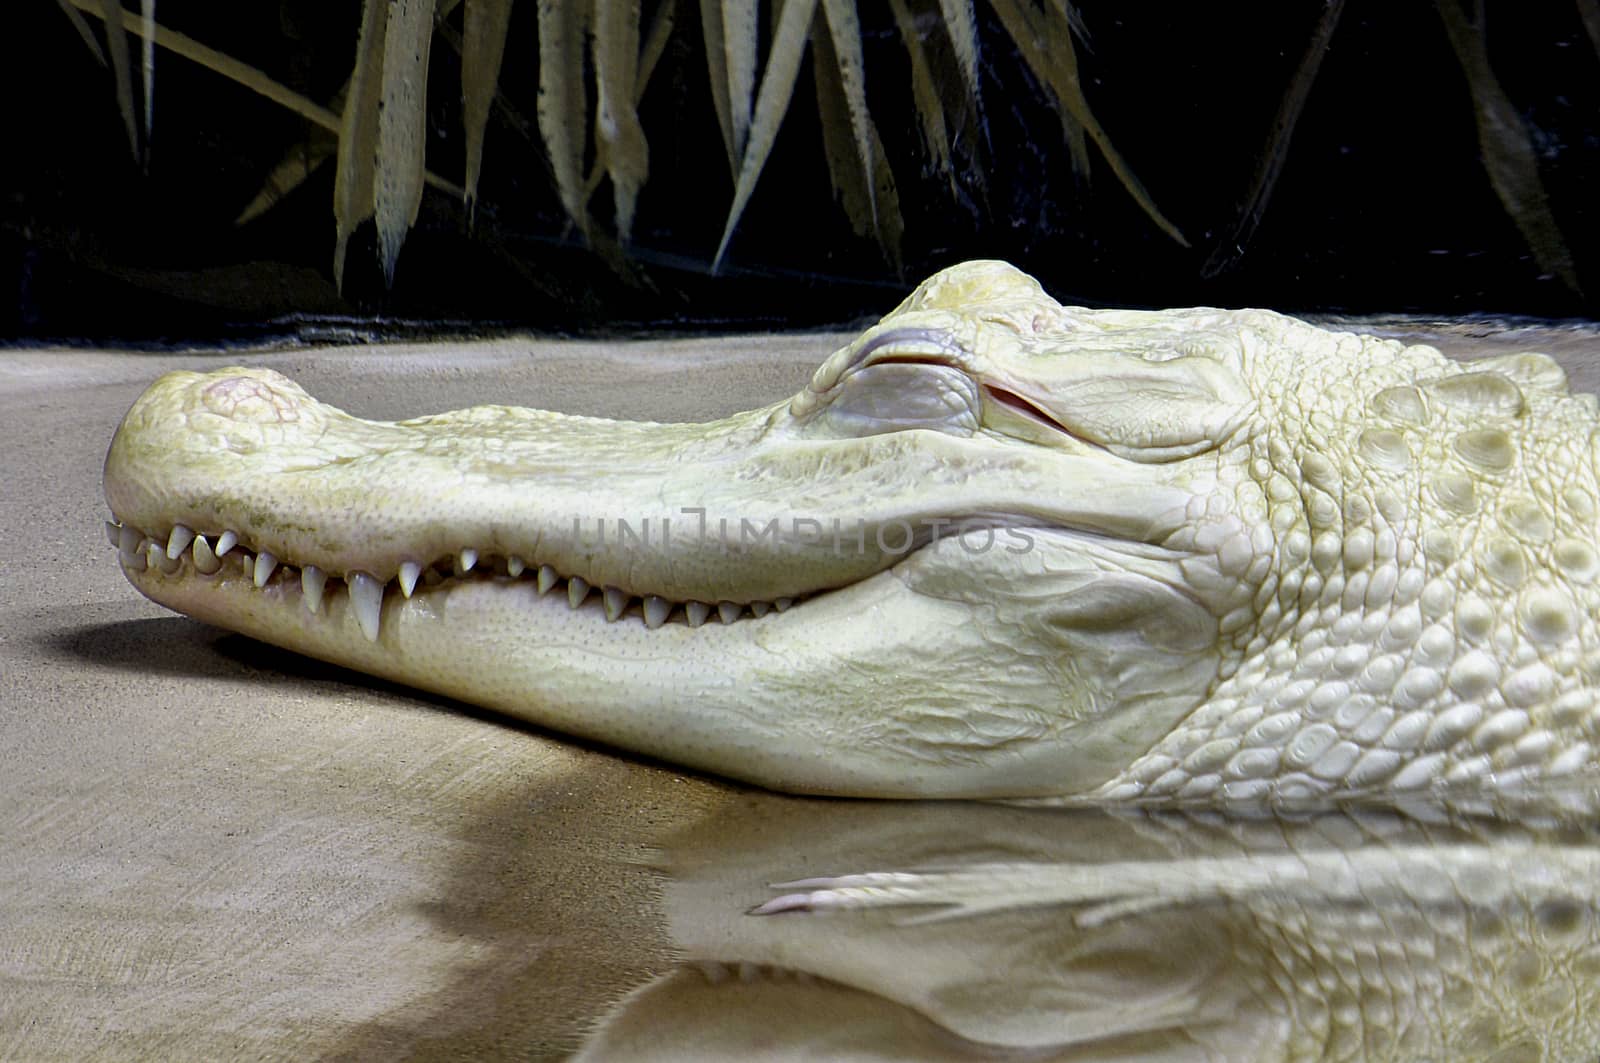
(140, 552)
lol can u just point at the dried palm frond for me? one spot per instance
(592, 48)
(789, 38)
(857, 165)
(562, 102)
(1293, 101)
(739, 29)
(655, 44)
(482, 51)
(121, 67)
(963, 31)
(924, 91)
(358, 133)
(618, 137)
(147, 30)
(213, 60)
(402, 126)
(293, 170)
(1045, 41)
(842, 65)
(1589, 13)
(1506, 147)
(84, 32)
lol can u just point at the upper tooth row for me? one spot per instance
(139, 551)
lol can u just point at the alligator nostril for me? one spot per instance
(242, 398)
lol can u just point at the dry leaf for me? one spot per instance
(84, 32)
(147, 30)
(655, 45)
(739, 31)
(772, 103)
(649, 55)
(402, 127)
(1058, 31)
(358, 133)
(959, 24)
(966, 132)
(865, 185)
(844, 32)
(1589, 13)
(619, 139)
(227, 66)
(299, 163)
(891, 224)
(483, 50)
(1043, 54)
(562, 102)
(348, 197)
(117, 45)
(717, 73)
(1292, 101)
(924, 92)
(1507, 150)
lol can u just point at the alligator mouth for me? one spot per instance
(185, 554)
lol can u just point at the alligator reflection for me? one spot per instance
(975, 932)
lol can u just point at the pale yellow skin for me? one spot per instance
(1266, 565)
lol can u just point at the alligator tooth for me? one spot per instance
(178, 541)
(113, 534)
(410, 572)
(696, 612)
(548, 577)
(157, 557)
(205, 561)
(782, 604)
(577, 591)
(760, 609)
(266, 564)
(656, 610)
(312, 580)
(729, 611)
(130, 547)
(515, 566)
(226, 541)
(616, 600)
(366, 597)
(465, 560)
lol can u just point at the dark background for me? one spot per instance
(1383, 204)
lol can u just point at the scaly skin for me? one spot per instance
(1236, 560)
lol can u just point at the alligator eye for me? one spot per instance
(900, 394)
(1009, 413)
(1021, 407)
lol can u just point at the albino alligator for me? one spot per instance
(998, 547)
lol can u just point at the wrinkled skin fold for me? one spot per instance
(997, 548)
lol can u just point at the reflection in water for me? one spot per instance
(984, 932)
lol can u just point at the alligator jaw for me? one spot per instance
(466, 554)
(773, 699)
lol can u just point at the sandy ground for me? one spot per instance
(214, 849)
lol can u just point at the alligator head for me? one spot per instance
(998, 547)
